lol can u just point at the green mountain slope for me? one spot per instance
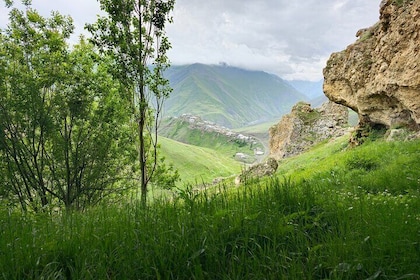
(228, 96)
(197, 164)
(204, 134)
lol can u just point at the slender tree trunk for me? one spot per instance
(142, 115)
(142, 156)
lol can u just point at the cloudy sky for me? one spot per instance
(290, 38)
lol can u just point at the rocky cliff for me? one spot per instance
(379, 75)
(305, 126)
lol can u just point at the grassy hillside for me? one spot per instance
(229, 96)
(374, 167)
(180, 130)
(331, 213)
(198, 164)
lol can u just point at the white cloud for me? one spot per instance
(290, 38)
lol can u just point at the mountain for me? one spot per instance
(193, 130)
(228, 96)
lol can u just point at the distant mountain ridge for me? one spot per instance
(229, 96)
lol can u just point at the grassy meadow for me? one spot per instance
(331, 213)
(198, 164)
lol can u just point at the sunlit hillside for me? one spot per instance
(198, 165)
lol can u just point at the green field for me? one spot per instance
(332, 213)
(197, 164)
(260, 131)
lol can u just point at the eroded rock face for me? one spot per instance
(305, 126)
(379, 75)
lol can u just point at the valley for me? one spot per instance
(203, 151)
(228, 110)
(229, 96)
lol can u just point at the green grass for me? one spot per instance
(197, 164)
(375, 165)
(332, 213)
(260, 131)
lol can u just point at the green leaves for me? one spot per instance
(66, 116)
(64, 134)
(133, 35)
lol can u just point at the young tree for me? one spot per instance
(63, 132)
(133, 33)
(32, 50)
(91, 145)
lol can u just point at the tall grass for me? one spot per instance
(337, 224)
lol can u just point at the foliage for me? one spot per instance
(399, 3)
(366, 36)
(367, 132)
(308, 117)
(133, 34)
(64, 139)
(166, 176)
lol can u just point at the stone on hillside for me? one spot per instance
(267, 168)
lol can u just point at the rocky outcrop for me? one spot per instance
(267, 168)
(305, 126)
(379, 75)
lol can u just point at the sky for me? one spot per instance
(290, 38)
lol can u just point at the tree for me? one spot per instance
(91, 143)
(133, 34)
(32, 48)
(63, 133)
